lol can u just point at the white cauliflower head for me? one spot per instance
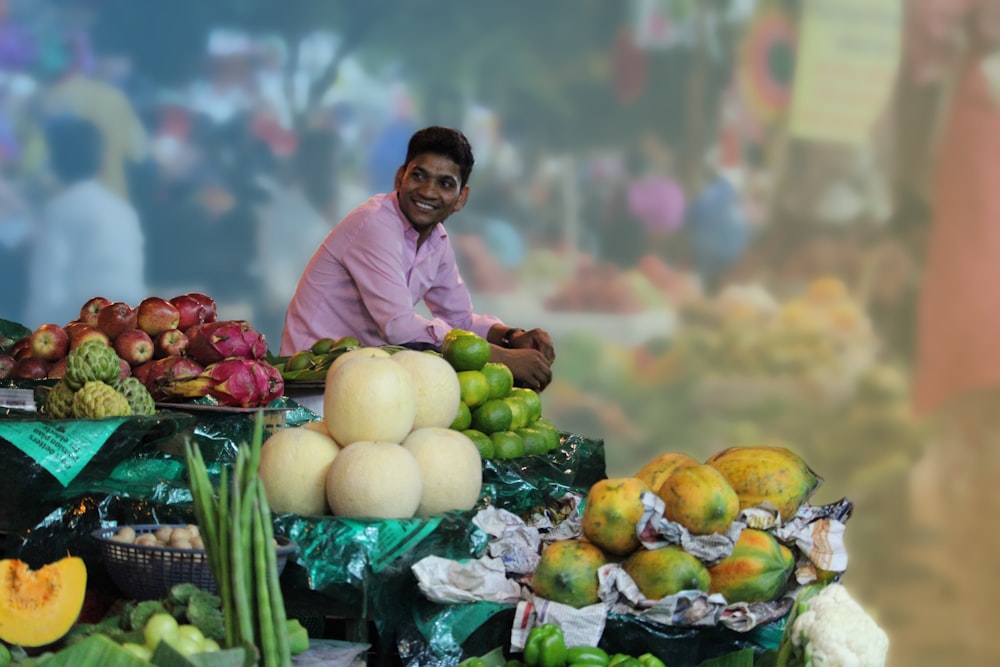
(833, 630)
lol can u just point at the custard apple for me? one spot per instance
(136, 394)
(96, 400)
(59, 402)
(91, 361)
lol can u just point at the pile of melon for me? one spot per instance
(383, 449)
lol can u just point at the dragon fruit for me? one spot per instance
(245, 383)
(158, 375)
(211, 342)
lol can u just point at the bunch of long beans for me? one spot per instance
(239, 543)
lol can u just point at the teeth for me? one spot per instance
(424, 207)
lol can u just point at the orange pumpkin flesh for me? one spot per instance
(38, 607)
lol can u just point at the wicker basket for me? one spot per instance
(144, 572)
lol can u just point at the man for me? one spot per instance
(392, 252)
(89, 242)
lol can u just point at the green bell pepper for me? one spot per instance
(472, 662)
(623, 660)
(650, 660)
(545, 647)
(587, 656)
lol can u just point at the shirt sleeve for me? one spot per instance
(449, 299)
(377, 270)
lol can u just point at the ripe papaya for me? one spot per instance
(612, 512)
(770, 474)
(700, 499)
(658, 469)
(756, 571)
(567, 573)
(666, 571)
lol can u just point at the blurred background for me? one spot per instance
(723, 211)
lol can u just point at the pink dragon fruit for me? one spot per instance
(211, 342)
(245, 383)
(160, 374)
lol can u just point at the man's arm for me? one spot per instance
(528, 354)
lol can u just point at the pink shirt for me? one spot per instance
(367, 276)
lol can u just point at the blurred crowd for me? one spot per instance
(235, 177)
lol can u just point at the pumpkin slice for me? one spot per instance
(38, 607)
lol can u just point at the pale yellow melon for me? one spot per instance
(358, 353)
(436, 384)
(293, 467)
(376, 480)
(370, 398)
(450, 467)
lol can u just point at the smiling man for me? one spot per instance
(391, 253)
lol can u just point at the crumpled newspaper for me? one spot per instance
(656, 531)
(511, 540)
(447, 581)
(581, 627)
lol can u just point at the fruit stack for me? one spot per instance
(504, 421)
(175, 348)
(703, 498)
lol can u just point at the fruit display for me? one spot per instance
(94, 387)
(689, 533)
(177, 349)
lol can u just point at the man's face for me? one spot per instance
(429, 190)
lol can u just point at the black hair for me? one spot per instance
(75, 149)
(445, 141)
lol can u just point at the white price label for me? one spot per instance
(18, 399)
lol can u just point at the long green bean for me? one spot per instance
(238, 547)
(224, 576)
(277, 598)
(265, 622)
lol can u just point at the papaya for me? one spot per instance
(38, 607)
(567, 573)
(661, 467)
(756, 571)
(700, 499)
(771, 474)
(612, 512)
(666, 571)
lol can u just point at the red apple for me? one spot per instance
(89, 311)
(208, 302)
(134, 346)
(81, 334)
(154, 315)
(116, 318)
(7, 364)
(30, 368)
(141, 372)
(124, 370)
(171, 343)
(21, 349)
(57, 369)
(49, 342)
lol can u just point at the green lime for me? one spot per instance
(500, 378)
(518, 411)
(550, 431)
(463, 419)
(533, 400)
(323, 345)
(482, 442)
(473, 388)
(299, 361)
(464, 350)
(493, 415)
(535, 440)
(508, 444)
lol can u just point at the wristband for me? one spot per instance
(505, 341)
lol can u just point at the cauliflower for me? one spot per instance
(829, 628)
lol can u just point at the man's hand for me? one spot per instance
(535, 339)
(529, 366)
